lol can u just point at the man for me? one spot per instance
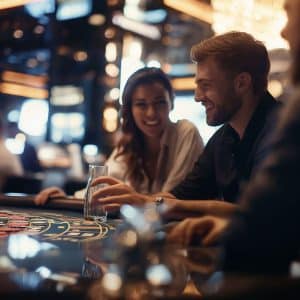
(231, 82)
(264, 235)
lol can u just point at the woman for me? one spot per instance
(153, 153)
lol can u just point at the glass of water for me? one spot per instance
(94, 211)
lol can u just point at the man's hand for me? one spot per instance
(206, 230)
(42, 197)
(117, 193)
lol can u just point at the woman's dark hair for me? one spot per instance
(131, 144)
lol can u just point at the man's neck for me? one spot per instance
(241, 119)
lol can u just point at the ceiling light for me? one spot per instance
(194, 8)
(149, 31)
(18, 34)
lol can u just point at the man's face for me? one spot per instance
(291, 30)
(215, 90)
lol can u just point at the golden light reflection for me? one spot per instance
(22, 78)
(184, 84)
(263, 19)
(112, 282)
(4, 4)
(23, 91)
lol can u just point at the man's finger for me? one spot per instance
(111, 207)
(117, 199)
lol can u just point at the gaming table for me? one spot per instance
(48, 248)
(50, 252)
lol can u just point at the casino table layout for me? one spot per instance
(54, 238)
(65, 223)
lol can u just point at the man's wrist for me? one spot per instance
(159, 200)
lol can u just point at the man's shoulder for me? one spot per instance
(224, 130)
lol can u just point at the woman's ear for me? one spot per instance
(242, 82)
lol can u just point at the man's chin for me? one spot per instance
(211, 122)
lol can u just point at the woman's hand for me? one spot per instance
(42, 197)
(205, 231)
(117, 193)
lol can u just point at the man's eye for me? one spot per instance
(205, 86)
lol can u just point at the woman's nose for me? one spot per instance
(151, 111)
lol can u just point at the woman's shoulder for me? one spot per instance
(183, 132)
(185, 126)
(115, 156)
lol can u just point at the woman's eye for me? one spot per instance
(161, 102)
(140, 104)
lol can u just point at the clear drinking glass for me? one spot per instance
(94, 211)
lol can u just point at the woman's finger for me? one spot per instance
(113, 190)
(106, 179)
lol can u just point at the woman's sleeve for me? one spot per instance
(116, 166)
(187, 153)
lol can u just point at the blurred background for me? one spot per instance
(63, 64)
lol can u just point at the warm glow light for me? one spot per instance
(96, 19)
(4, 4)
(39, 29)
(275, 87)
(112, 70)
(110, 114)
(114, 93)
(143, 29)
(18, 33)
(66, 95)
(111, 51)
(23, 91)
(184, 84)
(112, 282)
(110, 125)
(110, 32)
(193, 8)
(22, 78)
(80, 56)
(263, 19)
(31, 63)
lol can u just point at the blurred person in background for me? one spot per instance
(10, 164)
(153, 153)
(263, 236)
(28, 157)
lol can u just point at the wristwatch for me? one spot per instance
(159, 200)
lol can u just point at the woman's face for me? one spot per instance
(150, 108)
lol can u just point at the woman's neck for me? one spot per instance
(152, 146)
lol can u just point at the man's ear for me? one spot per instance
(242, 82)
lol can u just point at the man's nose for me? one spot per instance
(283, 32)
(198, 95)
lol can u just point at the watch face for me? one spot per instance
(159, 200)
